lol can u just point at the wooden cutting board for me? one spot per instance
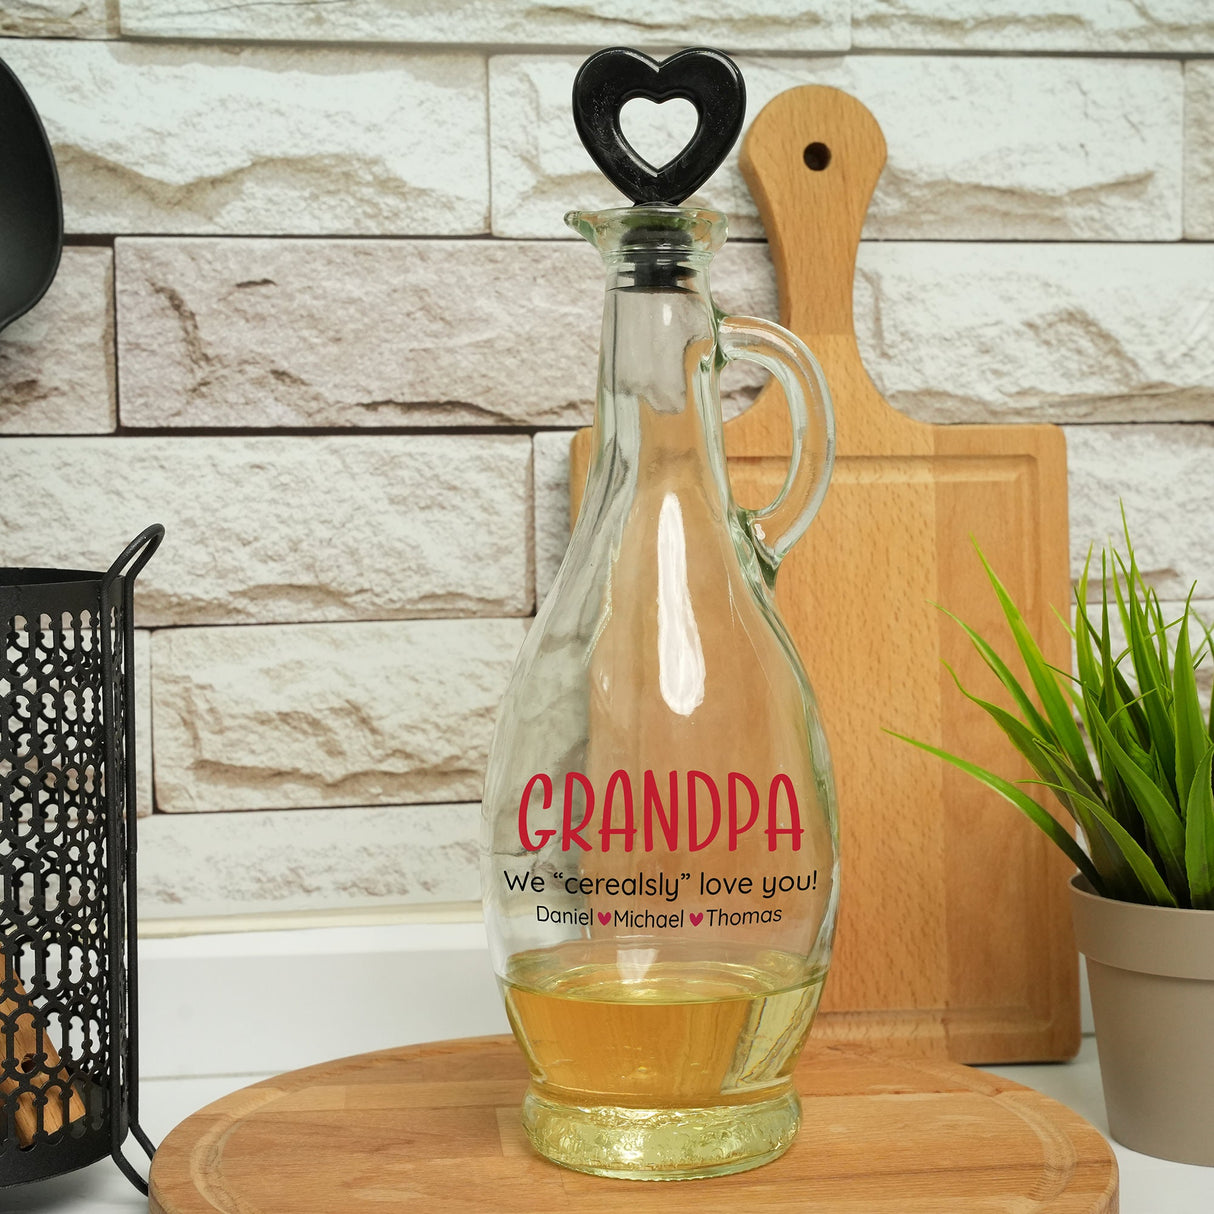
(954, 931)
(436, 1128)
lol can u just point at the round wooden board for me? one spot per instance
(436, 1128)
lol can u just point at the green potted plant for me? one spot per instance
(1126, 751)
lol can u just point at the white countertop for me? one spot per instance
(1148, 1186)
(184, 1031)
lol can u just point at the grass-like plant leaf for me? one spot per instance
(1142, 866)
(1115, 870)
(1199, 835)
(1020, 735)
(1210, 649)
(1023, 802)
(1146, 806)
(1148, 670)
(1084, 632)
(1192, 736)
(1113, 696)
(1036, 721)
(1163, 824)
(1057, 709)
(1160, 630)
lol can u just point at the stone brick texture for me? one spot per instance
(319, 314)
(1199, 150)
(980, 148)
(57, 373)
(57, 18)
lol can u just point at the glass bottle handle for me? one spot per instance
(777, 527)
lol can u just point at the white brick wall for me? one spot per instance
(318, 313)
(310, 715)
(286, 530)
(57, 361)
(979, 148)
(185, 138)
(243, 333)
(751, 24)
(1035, 25)
(1199, 150)
(56, 18)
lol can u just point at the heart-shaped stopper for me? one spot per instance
(610, 78)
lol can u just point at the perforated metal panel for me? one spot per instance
(68, 1017)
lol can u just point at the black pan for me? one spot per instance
(31, 210)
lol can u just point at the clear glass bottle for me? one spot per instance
(660, 846)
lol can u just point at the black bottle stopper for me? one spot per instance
(707, 78)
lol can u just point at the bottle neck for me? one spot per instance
(658, 419)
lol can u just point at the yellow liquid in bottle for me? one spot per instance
(661, 1061)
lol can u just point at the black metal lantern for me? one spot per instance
(68, 976)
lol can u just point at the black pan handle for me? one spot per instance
(31, 209)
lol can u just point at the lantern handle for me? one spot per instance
(136, 554)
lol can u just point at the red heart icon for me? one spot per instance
(604, 917)
(696, 917)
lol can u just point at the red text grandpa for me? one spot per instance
(687, 810)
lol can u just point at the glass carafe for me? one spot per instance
(660, 846)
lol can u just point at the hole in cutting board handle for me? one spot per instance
(816, 156)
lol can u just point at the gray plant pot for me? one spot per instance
(1151, 972)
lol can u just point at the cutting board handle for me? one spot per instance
(812, 159)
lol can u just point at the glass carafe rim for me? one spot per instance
(636, 231)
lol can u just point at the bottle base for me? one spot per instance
(661, 1144)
